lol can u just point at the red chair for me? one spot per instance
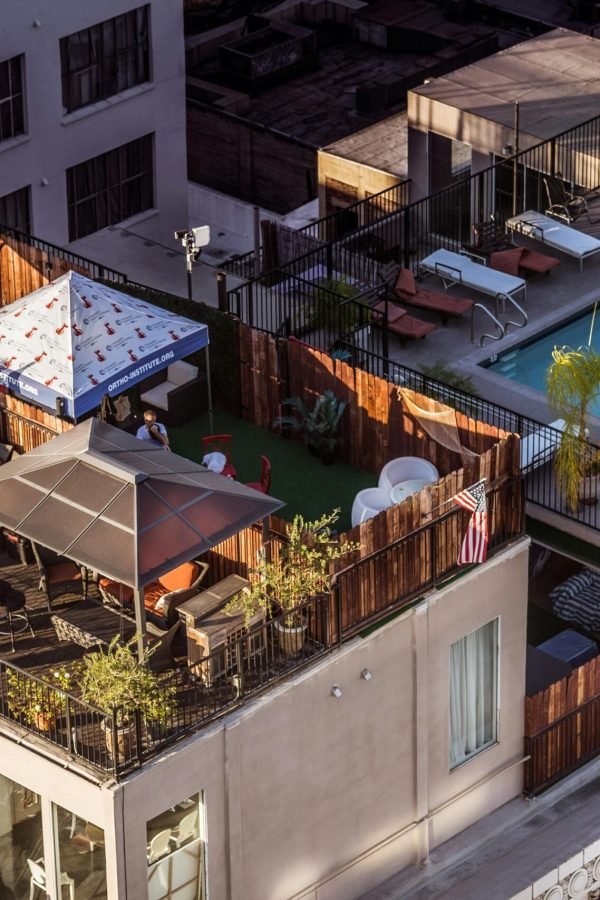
(222, 444)
(264, 485)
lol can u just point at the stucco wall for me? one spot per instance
(55, 142)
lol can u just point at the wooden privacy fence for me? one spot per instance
(376, 425)
(27, 426)
(562, 727)
(27, 264)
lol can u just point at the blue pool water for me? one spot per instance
(528, 363)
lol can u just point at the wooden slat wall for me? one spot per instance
(562, 726)
(26, 426)
(24, 269)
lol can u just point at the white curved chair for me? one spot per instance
(406, 468)
(188, 829)
(368, 503)
(159, 846)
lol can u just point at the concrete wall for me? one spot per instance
(55, 141)
(312, 796)
(363, 179)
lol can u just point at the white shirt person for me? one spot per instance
(152, 430)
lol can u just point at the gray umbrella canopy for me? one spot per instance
(120, 506)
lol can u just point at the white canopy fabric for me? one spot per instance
(78, 340)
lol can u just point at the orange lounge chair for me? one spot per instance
(444, 305)
(405, 327)
(523, 262)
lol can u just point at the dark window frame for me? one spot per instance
(12, 98)
(105, 59)
(111, 187)
(15, 209)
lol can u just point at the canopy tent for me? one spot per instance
(78, 340)
(121, 506)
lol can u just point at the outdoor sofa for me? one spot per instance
(177, 394)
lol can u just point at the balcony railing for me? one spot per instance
(364, 593)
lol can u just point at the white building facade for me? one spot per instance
(92, 118)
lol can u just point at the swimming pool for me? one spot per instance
(528, 363)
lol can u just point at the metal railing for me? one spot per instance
(250, 660)
(336, 226)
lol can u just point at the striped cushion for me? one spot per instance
(578, 599)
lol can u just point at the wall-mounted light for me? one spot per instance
(36, 23)
(44, 182)
(366, 675)
(507, 150)
(336, 692)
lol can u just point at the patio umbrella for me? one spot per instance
(123, 507)
(76, 339)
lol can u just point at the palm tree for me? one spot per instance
(573, 383)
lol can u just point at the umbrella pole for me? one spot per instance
(209, 387)
(140, 620)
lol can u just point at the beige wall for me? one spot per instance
(365, 179)
(312, 796)
(305, 790)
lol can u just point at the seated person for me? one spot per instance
(152, 430)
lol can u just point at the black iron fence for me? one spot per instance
(336, 226)
(251, 660)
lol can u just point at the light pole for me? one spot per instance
(193, 241)
(515, 161)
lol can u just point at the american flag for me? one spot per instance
(475, 541)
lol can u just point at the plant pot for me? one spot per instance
(313, 449)
(588, 490)
(126, 742)
(43, 721)
(291, 638)
(328, 455)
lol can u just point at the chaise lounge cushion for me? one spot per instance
(155, 593)
(522, 261)
(405, 282)
(400, 323)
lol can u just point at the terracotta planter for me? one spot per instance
(44, 721)
(291, 639)
(126, 741)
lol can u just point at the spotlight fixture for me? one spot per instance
(336, 692)
(366, 675)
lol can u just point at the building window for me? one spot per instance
(80, 857)
(12, 108)
(110, 187)
(15, 210)
(105, 59)
(473, 693)
(175, 852)
(22, 846)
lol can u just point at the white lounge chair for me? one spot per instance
(557, 235)
(406, 468)
(539, 446)
(368, 503)
(455, 268)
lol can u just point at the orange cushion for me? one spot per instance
(181, 577)
(153, 593)
(56, 573)
(507, 261)
(120, 592)
(405, 282)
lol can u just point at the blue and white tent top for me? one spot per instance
(77, 339)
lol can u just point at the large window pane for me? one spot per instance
(81, 857)
(109, 57)
(473, 693)
(15, 210)
(12, 112)
(175, 853)
(21, 846)
(109, 188)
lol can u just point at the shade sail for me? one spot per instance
(122, 506)
(77, 339)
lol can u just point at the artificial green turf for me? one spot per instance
(301, 481)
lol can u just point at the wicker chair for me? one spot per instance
(58, 573)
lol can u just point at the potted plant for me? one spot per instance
(319, 425)
(573, 383)
(302, 571)
(119, 683)
(38, 702)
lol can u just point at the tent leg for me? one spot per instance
(140, 621)
(209, 387)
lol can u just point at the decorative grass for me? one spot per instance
(304, 484)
